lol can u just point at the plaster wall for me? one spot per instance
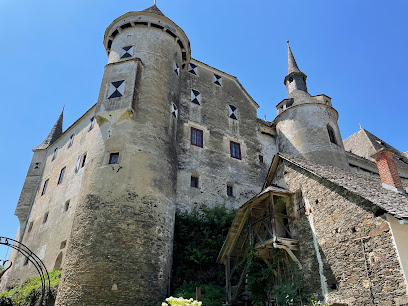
(399, 232)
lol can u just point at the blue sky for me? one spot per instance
(52, 55)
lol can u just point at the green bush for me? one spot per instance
(211, 295)
(29, 292)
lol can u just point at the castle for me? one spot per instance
(170, 132)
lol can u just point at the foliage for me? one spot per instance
(198, 238)
(211, 295)
(29, 292)
(318, 303)
(172, 301)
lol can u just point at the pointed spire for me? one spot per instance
(292, 66)
(154, 9)
(56, 132)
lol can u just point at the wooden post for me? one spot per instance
(227, 264)
(198, 294)
(273, 216)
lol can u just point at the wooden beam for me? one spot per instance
(228, 279)
(272, 213)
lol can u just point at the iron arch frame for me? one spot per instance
(33, 258)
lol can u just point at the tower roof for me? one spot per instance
(56, 132)
(292, 65)
(154, 9)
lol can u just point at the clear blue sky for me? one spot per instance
(52, 55)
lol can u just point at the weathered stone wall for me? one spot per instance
(48, 240)
(359, 258)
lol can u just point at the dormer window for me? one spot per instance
(332, 136)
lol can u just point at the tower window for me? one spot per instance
(54, 155)
(83, 160)
(37, 165)
(235, 149)
(114, 158)
(30, 226)
(71, 140)
(66, 205)
(126, 52)
(194, 181)
(45, 217)
(192, 68)
(217, 80)
(44, 187)
(91, 123)
(230, 190)
(232, 112)
(174, 110)
(261, 160)
(196, 137)
(116, 89)
(61, 177)
(332, 136)
(195, 96)
(176, 68)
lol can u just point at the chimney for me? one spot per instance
(388, 170)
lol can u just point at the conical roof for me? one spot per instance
(56, 132)
(154, 9)
(292, 66)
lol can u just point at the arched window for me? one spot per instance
(332, 136)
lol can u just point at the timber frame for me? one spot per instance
(258, 224)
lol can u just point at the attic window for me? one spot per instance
(194, 181)
(217, 80)
(289, 103)
(174, 110)
(126, 52)
(116, 89)
(195, 96)
(332, 136)
(71, 140)
(192, 68)
(232, 112)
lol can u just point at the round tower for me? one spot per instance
(120, 248)
(306, 125)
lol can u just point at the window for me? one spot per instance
(30, 226)
(66, 205)
(91, 123)
(176, 68)
(196, 137)
(174, 110)
(116, 89)
(71, 140)
(45, 187)
(83, 160)
(192, 68)
(235, 150)
(217, 80)
(114, 158)
(54, 155)
(63, 244)
(37, 165)
(45, 217)
(80, 162)
(261, 159)
(194, 181)
(232, 112)
(195, 96)
(61, 177)
(126, 52)
(332, 136)
(230, 190)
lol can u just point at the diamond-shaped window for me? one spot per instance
(217, 79)
(195, 96)
(116, 89)
(192, 68)
(232, 112)
(126, 52)
(174, 110)
(176, 68)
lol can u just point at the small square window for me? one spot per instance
(195, 96)
(71, 140)
(126, 52)
(261, 160)
(235, 150)
(196, 137)
(66, 205)
(54, 155)
(91, 123)
(61, 177)
(37, 165)
(192, 68)
(44, 187)
(194, 181)
(217, 80)
(30, 226)
(116, 89)
(114, 158)
(45, 217)
(230, 191)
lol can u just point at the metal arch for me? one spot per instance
(33, 258)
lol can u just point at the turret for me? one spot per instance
(307, 125)
(123, 228)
